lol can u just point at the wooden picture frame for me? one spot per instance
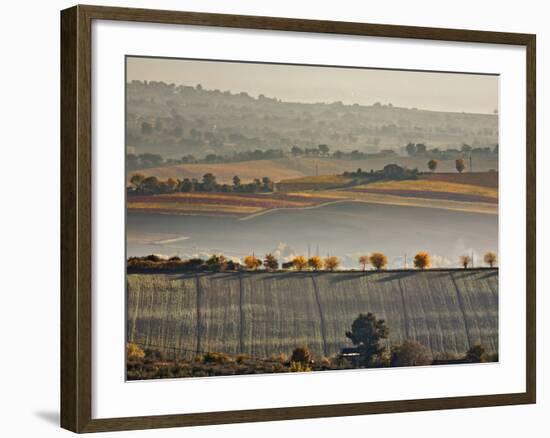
(76, 217)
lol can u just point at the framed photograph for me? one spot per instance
(270, 218)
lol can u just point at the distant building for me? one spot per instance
(393, 171)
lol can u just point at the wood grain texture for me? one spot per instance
(76, 171)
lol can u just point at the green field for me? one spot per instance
(265, 314)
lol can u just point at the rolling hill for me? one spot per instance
(298, 167)
(175, 120)
(265, 314)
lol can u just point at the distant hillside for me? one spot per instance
(177, 120)
(264, 314)
(297, 167)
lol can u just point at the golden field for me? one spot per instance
(425, 192)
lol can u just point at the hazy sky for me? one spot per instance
(424, 90)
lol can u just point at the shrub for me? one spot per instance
(242, 358)
(302, 355)
(410, 353)
(216, 262)
(476, 354)
(220, 358)
(152, 354)
(298, 367)
(134, 352)
(491, 357)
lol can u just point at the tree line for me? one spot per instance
(151, 185)
(421, 150)
(460, 165)
(218, 262)
(149, 160)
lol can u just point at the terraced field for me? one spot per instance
(432, 189)
(265, 314)
(298, 167)
(473, 192)
(483, 179)
(223, 204)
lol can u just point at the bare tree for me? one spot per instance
(490, 258)
(364, 261)
(331, 263)
(465, 260)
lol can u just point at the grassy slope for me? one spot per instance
(483, 179)
(263, 314)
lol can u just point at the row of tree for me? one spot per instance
(218, 262)
(151, 185)
(148, 160)
(298, 263)
(459, 164)
(377, 260)
(421, 150)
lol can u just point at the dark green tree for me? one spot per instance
(267, 184)
(209, 182)
(150, 184)
(420, 149)
(301, 355)
(216, 262)
(323, 149)
(411, 149)
(137, 180)
(366, 333)
(270, 262)
(186, 185)
(296, 151)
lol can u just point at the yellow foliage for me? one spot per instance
(298, 367)
(252, 262)
(490, 258)
(133, 351)
(300, 263)
(331, 263)
(364, 261)
(422, 260)
(315, 263)
(378, 260)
